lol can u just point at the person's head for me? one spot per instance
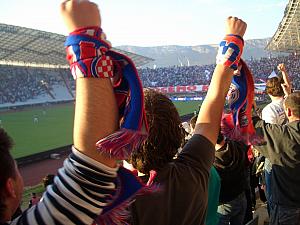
(273, 87)
(11, 182)
(292, 106)
(165, 133)
(33, 195)
(48, 180)
(193, 121)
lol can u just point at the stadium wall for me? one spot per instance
(18, 106)
(22, 161)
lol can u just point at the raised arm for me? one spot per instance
(96, 111)
(209, 118)
(281, 67)
(287, 85)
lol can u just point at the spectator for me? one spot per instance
(72, 198)
(282, 148)
(48, 180)
(33, 200)
(274, 113)
(258, 177)
(184, 180)
(214, 185)
(231, 164)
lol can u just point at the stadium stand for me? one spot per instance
(286, 38)
(21, 85)
(200, 75)
(35, 48)
(33, 68)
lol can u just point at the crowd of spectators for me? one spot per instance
(263, 67)
(176, 75)
(199, 75)
(20, 84)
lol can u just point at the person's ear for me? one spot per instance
(10, 188)
(288, 112)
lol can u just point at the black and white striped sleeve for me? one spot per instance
(82, 188)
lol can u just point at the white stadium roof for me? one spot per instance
(29, 47)
(287, 36)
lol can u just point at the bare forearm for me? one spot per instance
(208, 123)
(230, 51)
(281, 67)
(96, 116)
(285, 77)
(287, 85)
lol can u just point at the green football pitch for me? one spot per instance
(53, 129)
(54, 126)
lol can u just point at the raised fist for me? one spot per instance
(80, 13)
(281, 67)
(235, 26)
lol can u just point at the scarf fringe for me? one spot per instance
(121, 143)
(121, 214)
(236, 134)
(117, 216)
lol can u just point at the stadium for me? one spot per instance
(37, 90)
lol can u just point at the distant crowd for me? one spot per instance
(187, 75)
(20, 84)
(33, 82)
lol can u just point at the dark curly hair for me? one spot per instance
(165, 133)
(273, 87)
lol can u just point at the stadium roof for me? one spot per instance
(29, 47)
(287, 36)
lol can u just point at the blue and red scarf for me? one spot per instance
(237, 124)
(90, 55)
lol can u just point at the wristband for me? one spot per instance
(230, 51)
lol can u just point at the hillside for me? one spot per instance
(170, 55)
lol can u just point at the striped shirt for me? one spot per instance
(82, 188)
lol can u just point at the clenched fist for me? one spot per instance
(80, 13)
(281, 67)
(235, 26)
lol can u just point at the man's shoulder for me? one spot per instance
(293, 127)
(272, 107)
(197, 145)
(274, 113)
(197, 139)
(197, 153)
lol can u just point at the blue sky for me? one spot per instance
(155, 22)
